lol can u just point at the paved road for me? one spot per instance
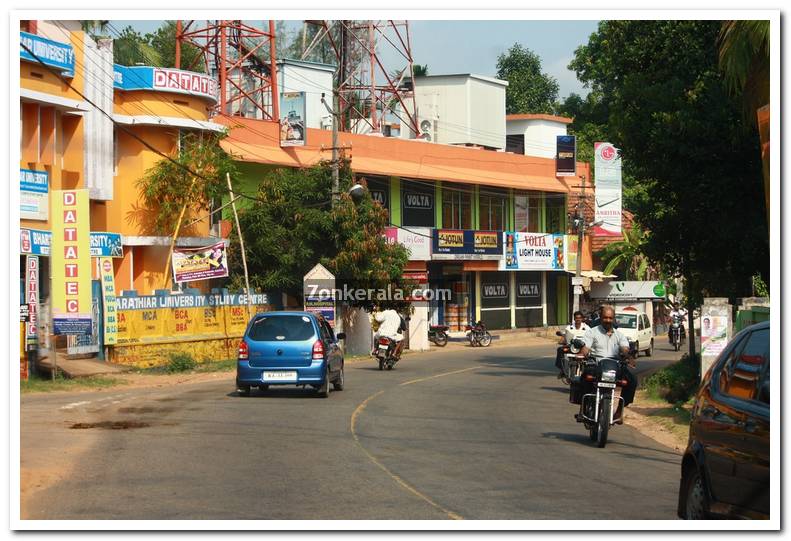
(460, 433)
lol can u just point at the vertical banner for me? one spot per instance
(71, 262)
(608, 190)
(31, 297)
(108, 300)
(566, 156)
(292, 124)
(715, 322)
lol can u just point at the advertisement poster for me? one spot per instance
(105, 244)
(533, 251)
(415, 239)
(466, 244)
(566, 156)
(71, 262)
(607, 165)
(108, 300)
(191, 264)
(31, 297)
(714, 324)
(292, 121)
(33, 194)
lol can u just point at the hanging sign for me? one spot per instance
(190, 264)
(608, 190)
(566, 156)
(71, 262)
(533, 251)
(31, 296)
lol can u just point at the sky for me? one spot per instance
(465, 46)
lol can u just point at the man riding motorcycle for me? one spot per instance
(605, 341)
(576, 329)
(390, 326)
(681, 314)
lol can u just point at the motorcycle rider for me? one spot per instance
(390, 325)
(607, 341)
(680, 313)
(572, 331)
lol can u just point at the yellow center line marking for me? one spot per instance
(406, 486)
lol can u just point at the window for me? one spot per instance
(492, 205)
(515, 143)
(417, 203)
(626, 321)
(742, 369)
(326, 333)
(456, 206)
(281, 329)
(556, 213)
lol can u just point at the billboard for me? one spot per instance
(33, 194)
(566, 156)
(71, 262)
(52, 53)
(415, 239)
(165, 80)
(466, 244)
(191, 264)
(292, 121)
(533, 251)
(607, 165)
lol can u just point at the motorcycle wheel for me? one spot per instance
(486, 339)
(441, 339)
(390, 364)
(605, 407)
(381, 364)
(677, 345)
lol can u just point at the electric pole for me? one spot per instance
(580, 219)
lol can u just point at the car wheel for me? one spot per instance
(324, 389)
(697, 503)
(243, 390)
(650, 350)
(337, 385)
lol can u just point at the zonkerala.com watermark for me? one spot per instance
(391, 293)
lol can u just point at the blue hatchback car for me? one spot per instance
(289, 348)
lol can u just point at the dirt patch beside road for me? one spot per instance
(660, 421)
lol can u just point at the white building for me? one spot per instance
(534, 134)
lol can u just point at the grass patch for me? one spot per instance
(180, 362)
(224, 365)
(676, 383)
(37, 384)
(673, 417)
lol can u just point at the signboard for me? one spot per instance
(616, 291)
(318, 287)
(533, 251)
(572, 241)
(415, 239)
(292, 123)
(379, 196)
(608, 190)
(494, 291)
(165, 80)
(71, 262)
(52, 53)
(105, 244)
(33, 194)
(32, 297)
(715, 325)
(34, 241)
(528, 289)
(566, 156)
(108, 300)
(24, 315)
(191, 264)
(419, 201)
(466, 244)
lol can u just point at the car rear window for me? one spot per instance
(281, 329)
(626, 321)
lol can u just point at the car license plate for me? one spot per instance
(280, 376)
(608, 385)
(382, 346)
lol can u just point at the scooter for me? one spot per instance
(438, 334)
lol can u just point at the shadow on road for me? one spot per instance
(564, 390)
(305, 394)
(574, 438)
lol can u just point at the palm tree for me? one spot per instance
(627, 255)
(95, 29)
(744, 60)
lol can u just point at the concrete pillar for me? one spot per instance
(418, 327)
(512, 289)
(544, 297)
(477, 294)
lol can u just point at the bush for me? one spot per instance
(675, 383)
(181, 362)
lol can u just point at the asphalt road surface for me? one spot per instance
(461, 433)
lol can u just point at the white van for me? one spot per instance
(636, 327)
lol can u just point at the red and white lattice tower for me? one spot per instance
(242, 57)
(371, 94)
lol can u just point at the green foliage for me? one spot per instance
(744, 60)
(167, 187)
(681, 134)
(157, 48)
(675, 383)
(292, 226)
(760, 289)
(529, 89)
(131, 48)
(180, 362)
(95, 29)
(38, 384)
(420, 70)
(627, 255)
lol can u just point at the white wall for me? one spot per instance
(540, 135)
(312, 81)
(418, 328)
(98, 128)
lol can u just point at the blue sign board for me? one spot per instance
(106, 245)
(36, 242)
(34, 194)
(52, 53)
(165, 80)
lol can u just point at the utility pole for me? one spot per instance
(241, 244)
(580, 219)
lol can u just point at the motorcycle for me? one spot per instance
(438, 334)
(478, 335)
(676, 334)
(385, 352)
(601, 404)
(572, 359)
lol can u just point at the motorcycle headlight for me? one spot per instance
(608, 375)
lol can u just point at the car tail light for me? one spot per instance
(384, 341)
(318, 350)
(589, 377)
(244, 351)
(622, 383)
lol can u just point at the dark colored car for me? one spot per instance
(289, 348)
(725, 470)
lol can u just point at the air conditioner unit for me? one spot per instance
(427, 130)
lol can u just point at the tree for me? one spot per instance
(627, 255)
(744, 59)
(95, 29)
(163, 40)
(292, 225)
(529, 90)
(131, 48)
(420, 70)
(681, 133)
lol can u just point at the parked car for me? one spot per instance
(637, 328)
(289, 348)
(725, 469)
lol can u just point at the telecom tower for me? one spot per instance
(242, 57)
(370, 96)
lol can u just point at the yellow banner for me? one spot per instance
(180, 324)
(108, 298)
(70, 261)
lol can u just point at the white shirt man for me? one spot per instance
(389, 322)
(573, 332)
